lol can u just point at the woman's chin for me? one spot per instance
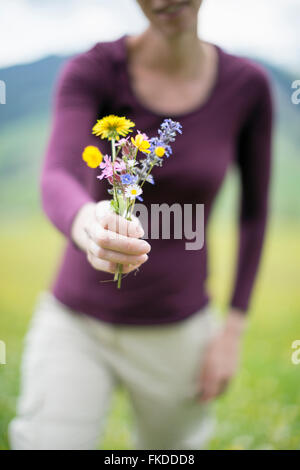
(174, 28)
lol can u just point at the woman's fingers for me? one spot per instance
(100, 264)
(209, 390)
(128, 268)
(116, 242)
(115, 223)
(115, 256)
(214, 380)
(213, 388)
(108, 266)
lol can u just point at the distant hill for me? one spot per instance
(29, 88)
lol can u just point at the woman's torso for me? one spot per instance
(171, 285)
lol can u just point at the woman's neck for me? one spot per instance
(184, 53)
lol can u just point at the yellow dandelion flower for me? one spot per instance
(92, 156)
(112, 127)
(141, 143)
(160, 151)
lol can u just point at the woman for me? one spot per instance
(157, 335)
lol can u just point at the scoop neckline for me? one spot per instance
(199, 109)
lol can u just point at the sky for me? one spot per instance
(31, 29)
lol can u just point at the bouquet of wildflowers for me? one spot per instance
(131, 161)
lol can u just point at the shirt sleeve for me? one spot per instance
(63, 180)
(254, 168)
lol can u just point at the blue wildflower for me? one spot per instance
(127, 178)
(150, 179)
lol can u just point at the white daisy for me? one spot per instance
(133, 190)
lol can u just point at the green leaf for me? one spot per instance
(114, 206)
(122, 204)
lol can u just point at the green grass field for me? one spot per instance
(261, 408)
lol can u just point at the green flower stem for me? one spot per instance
(131, 209)
(127, 215)
(147, 174)
(118, 273)
(119, 277)
(128, 212)
(113, 151)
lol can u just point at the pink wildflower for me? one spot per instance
(119, 165)
(107, 168)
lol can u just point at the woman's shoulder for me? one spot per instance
(95, 62)
(245, 72)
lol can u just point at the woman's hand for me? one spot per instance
(222, 356)
(109, 239)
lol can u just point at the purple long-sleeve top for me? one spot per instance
(232, 128)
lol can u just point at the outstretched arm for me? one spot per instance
(63, 179)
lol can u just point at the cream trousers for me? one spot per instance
(72, 364)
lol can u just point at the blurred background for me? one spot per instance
(261, 409)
